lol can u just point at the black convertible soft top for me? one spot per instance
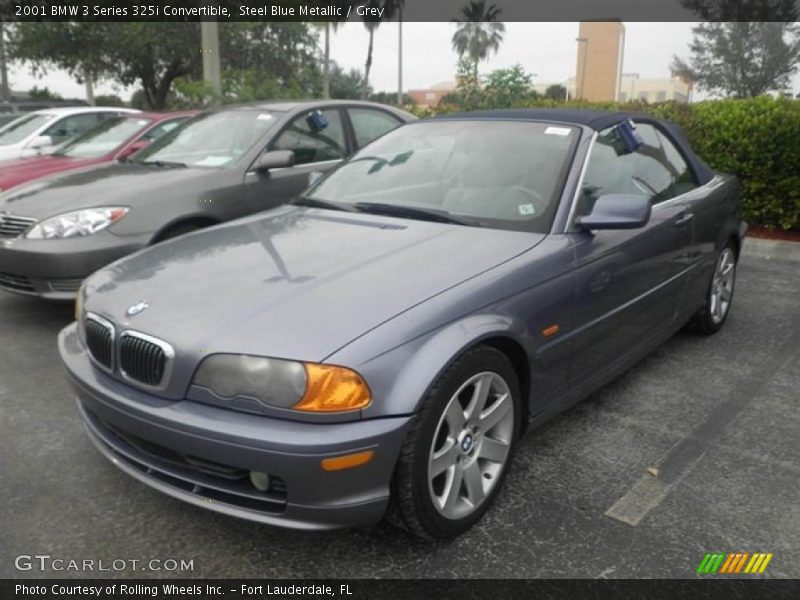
(597, 120)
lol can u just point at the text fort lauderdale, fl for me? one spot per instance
(309, 11)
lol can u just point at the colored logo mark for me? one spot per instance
(734, 562)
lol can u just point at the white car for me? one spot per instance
(42, 131)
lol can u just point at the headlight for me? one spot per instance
(78, 223)
(283, 383)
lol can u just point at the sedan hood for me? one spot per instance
(23, 170)
(124, 184)
(294, 282)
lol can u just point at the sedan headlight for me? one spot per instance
(283, 383)
(78, 223)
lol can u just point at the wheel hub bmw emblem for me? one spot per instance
(137, 308)
(466, 442)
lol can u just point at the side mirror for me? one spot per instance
(133, 149)
(274, 159)
(40, 141)
(617, 211)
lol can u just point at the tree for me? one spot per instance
(155, 55)
(503, 88)
(478, 32)
(327, 26)
(37, 93)
(388, 9)
(744, 10)
(347, 85)
(391, 98)
(109, 100)
(741, 59)
(556, 92)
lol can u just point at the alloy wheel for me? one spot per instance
(722, 286)
(471, 445)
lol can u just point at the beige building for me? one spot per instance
(431, 96)
(654, 90)
(601, 47)
(633, 87)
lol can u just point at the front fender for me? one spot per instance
(402, 357)
(400, 378)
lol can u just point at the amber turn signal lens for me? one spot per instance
(348, 461)
(550, 331)
(333, 389)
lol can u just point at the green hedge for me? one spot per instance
(757, 139)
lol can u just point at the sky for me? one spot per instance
(548, 50)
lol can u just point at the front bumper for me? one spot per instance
(202, 454)
(54, 269)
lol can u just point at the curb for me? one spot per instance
(771, 249)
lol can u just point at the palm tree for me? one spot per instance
(327, 26)
(326, 67)
(478, 32)
(390, 8)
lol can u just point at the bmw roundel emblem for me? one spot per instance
(137, 308)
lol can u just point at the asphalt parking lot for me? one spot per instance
(716, 419)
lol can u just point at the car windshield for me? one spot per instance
(210, 140)
(19, 129)
(104, 138)
(492, 173)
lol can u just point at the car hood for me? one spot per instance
(11, 151)
(22, 170)
(113, 184)
(294, 283)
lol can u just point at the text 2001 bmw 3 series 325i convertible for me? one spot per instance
(378, 346)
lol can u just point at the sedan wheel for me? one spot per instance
(459, 447)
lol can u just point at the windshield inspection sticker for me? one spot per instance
(562, 131)
(526, 209)
(264, 117)
(213, 161)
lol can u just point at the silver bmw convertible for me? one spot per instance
(376, 347)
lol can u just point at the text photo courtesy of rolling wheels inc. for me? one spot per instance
(386, 298)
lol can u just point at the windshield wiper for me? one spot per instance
(412, 212)
(319, 203)
(163, 163)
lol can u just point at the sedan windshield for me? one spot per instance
(18, 130)
(104, 138)
(492, 173)
(211, 140)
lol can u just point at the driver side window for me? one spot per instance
(310, 144)
(70, 127)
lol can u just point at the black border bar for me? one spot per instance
(707, 588)
(413, 10)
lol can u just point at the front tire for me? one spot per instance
(719, 297)
(457, 453)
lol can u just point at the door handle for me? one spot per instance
(683, 218)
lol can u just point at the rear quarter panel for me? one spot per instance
(717, 219)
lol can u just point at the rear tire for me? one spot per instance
(710, 318)
(456, 455)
